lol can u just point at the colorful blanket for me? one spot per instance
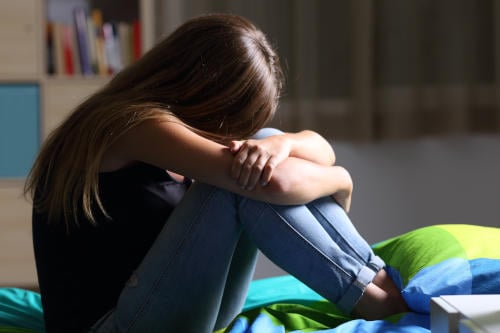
(427, 262)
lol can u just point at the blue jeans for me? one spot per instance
(196, 275)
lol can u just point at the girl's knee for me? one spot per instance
(265, 132)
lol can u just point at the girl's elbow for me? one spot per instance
(286, 191)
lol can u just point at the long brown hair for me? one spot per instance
(217, 74)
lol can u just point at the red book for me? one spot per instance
(136, 39)
(69, 67)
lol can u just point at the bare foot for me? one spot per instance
(376, 303)
(384, 281)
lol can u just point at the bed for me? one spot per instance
(432, 261)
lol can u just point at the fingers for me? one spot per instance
(234, 146)
(238, 162)
(252, 170)
(252, 165)
(271, 164)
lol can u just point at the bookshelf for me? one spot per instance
(34, 99)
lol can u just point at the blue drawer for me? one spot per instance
(19, 129)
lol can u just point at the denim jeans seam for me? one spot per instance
(358, 255)
(324, 256)
(156, 283)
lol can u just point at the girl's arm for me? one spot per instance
(172, 146)
(305, 181)
(255, 159)
(307, 145)
(311, 146)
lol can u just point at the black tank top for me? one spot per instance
(82, 272)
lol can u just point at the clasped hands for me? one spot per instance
(255, 161)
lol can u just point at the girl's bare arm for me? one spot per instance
(172, 146)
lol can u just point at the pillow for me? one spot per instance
(446, 259)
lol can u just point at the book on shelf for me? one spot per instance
(125, 46)
(136, 39)
(70, 51)
(58, 53)
(50, 49)
(83, 41)
(102, 65)
(112, 47)
(91, 46)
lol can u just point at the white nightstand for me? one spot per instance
(465, 314)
